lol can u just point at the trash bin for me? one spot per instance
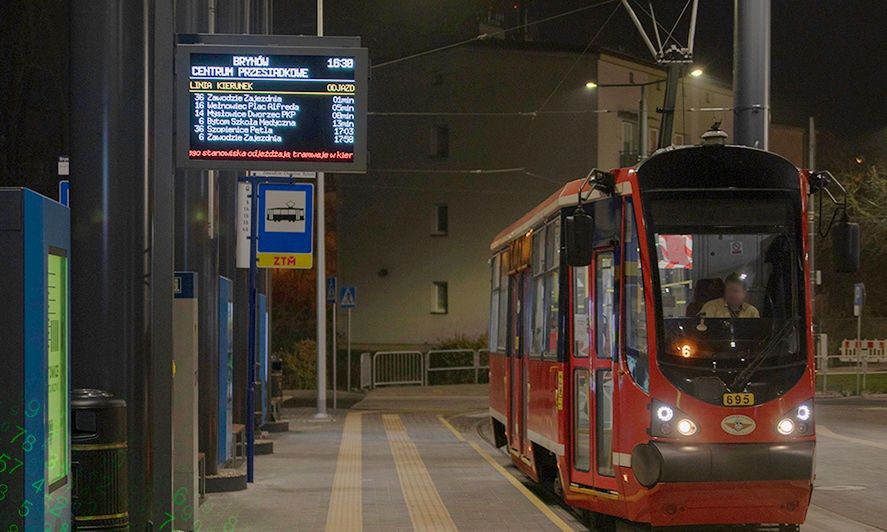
(276, 377)
(98, 456)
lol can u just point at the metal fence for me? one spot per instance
(845, 367)
(392, 368)
(438, 366)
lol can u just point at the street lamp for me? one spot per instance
(591, 85)
(696, 72)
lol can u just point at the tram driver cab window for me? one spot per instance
(730, 294)
(636, 349)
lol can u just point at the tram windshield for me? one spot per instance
(730, 306)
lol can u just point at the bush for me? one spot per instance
(459, 341)
(299, 365)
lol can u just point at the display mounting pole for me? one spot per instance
(321, 274)
(348, 388)
(251, 357)
(335, 352)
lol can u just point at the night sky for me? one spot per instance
(828, 57)
(829, 60)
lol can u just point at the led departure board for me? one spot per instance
(270, 108)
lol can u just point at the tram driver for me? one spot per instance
(732, 304)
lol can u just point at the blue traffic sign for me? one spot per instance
(285, 225)
(331, 290)
(348, 297)
(858, 298)
(64, 192)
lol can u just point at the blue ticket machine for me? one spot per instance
(226, 369)
(35, 451)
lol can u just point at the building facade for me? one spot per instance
(465, 141)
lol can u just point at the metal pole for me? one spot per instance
(159, 243)
(349, 350)
(321, 273)
(642, 124)
(751, 72)
(858, 349)
(335, 352)
(666, 129)
(811, 244)
(251, 357)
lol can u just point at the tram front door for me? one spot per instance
(594, 344)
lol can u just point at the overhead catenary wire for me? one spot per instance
(576, 62)
(483, 36)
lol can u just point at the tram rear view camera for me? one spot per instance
(271, 107)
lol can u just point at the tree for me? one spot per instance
(867, 204)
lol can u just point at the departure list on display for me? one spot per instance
(273, 108)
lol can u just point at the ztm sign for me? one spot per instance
(285, 226)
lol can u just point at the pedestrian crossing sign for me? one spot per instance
(348, 297)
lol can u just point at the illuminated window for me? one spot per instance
(439, 297)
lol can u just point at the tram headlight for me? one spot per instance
(797, 421)
(686, 427)
(804, 412)
(670, 422)
(785, 426)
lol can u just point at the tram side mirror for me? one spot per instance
(580, 238)
(845, 241)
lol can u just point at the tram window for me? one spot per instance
(545, 290)
(503, 302)
(634, 306)
(604, 421)
(537, 317)
(552, 287)
(582, 432)
(605, 296)
(582, 305)
(495, 288)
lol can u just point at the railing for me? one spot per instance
(391, 368)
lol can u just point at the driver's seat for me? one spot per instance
(704, 291)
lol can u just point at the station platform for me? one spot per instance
(419, 458)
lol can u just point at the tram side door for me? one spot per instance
(595, 313)
(517, 362)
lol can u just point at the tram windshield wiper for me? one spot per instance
(775, 339)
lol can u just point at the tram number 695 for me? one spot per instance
(739, 399)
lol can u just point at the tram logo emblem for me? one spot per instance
(738, 425)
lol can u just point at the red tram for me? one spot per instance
(651, 346)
